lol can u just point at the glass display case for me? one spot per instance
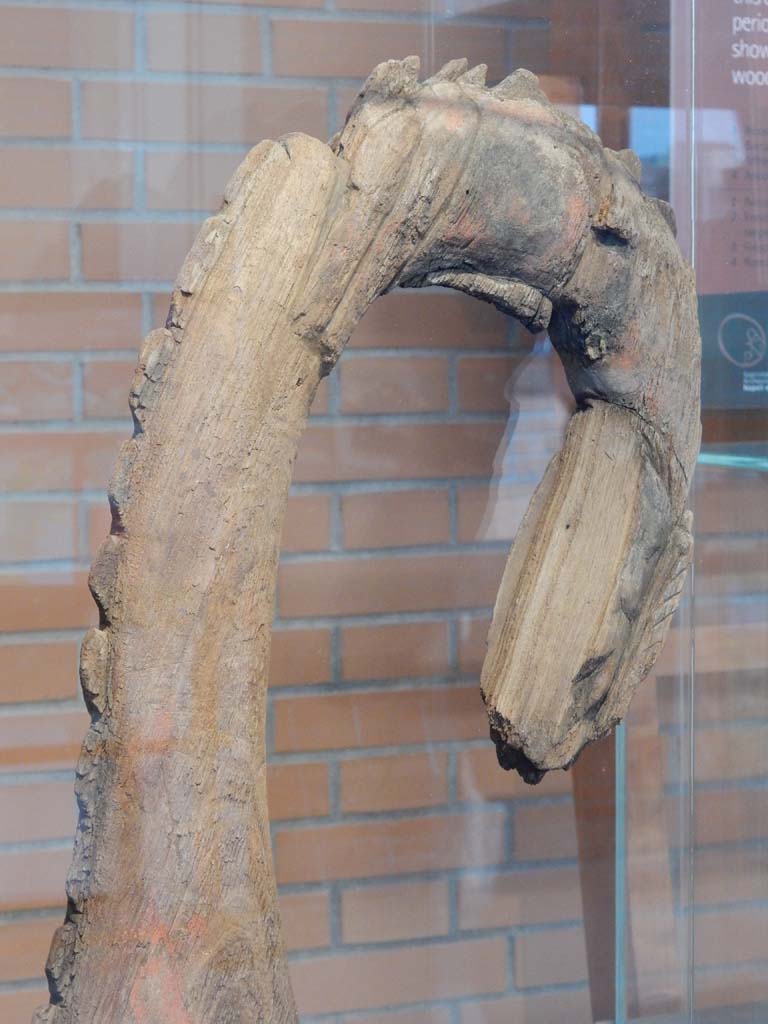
(419, 883)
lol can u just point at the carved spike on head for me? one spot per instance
(631, 161)
(667, 212)
(521, 85)
(449, 72)
(475, 76)
(394, 77)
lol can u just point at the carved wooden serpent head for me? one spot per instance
(499, 194)
(171, 898)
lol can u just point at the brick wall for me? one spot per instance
(419, 883)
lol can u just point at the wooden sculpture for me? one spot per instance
(172, 915)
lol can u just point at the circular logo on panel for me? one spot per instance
(741, 340)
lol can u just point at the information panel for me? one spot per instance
(731, 160)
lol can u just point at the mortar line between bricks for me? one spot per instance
(36, 844)
(31, 914)
(21, 985)
(383, 554)
(333, 783)
(466, 810)
(283, 625)
(324, 557)
(265, 30)
(328, 488)
(400, 685)
(11, 497)
(439, 941)
(361, 753)
(33, 708)
(123, 146)
(283, 14)
(24, 778)
(357, 420)
(78, 388)
(335, 915)
(336, 656)
(381, 618)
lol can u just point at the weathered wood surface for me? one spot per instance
(172, 913)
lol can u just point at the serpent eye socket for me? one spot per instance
(610, 236)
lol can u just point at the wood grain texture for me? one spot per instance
(172, 913)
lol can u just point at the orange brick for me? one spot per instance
(392, 783)
(297, 791)
(572, 1006)
(328, 984)
(349, 49)
(731, 753)
(370, 586)
(334, 721)
(204, 42)
(430, 320)
(434, 1015)
(402, 651)
(404, 6)
(481, 778)
(58, 461)
(50, 37)
(386, 519)
(320, 401)
(473, 634)
(99, 524)
(386, 913)
(37, 810)
(484, 382)
(730, 875)
(45, 600)
(299, 4)
(105, 388)
(44, 741)
(45, 671)
(545, 833)
(17, 1007)
(36, 251)
(731, 818)
(300, 656)
(191, 112)
(498, 8)
(726, 647)
(188, 180)
(554, 957)
(307, 525)
(75, 179)
(305, 919)
(728, 501)
(24, 947)
(730, 565)
(32, 530)
(135, 252)
(398, 452)
(68, 321)
(531, 47)
(721, 696)
(730, 936)
(491, 513)
(35, 391)
(32, 879)
(38, 108)
(733, 986)
(376, 384)
(372, 848)
(512, 898)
